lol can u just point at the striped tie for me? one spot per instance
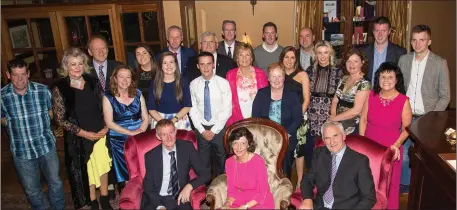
(207, 103)
(173, 186)
(328, 195)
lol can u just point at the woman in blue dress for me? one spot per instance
(169, 94)
(125, 114)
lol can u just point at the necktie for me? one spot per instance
(175, 54)
(173, 186)
(101, 77)
(229, 53)
(207, 103)
(328, 195)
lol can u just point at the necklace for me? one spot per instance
(386, 101)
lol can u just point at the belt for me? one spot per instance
(417, 115)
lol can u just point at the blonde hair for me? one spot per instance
(323, 43)
(74, 52)
(244, 46)
(274, 66)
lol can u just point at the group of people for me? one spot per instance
(376, 92)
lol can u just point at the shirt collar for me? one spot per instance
(424, 59)
(30, 86)
(177, 51)
(268, 50)
(210, 80)
(341, 152)
(165, 151)
(231, 45)
(97, 66)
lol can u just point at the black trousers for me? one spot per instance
(170, 203)
(209, 149)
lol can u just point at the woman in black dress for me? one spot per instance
(77, 105)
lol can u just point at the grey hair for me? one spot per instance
(174, 27)
(323, 43)
(74, 52)
(228, 21)
(207, 33)
(331, 123)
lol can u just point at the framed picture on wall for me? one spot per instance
(20, 37)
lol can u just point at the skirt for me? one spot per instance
(99, 162)
(182, 124)
(301, 137)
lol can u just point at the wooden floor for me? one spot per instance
(11, 186)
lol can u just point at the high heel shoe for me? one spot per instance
(104, 202)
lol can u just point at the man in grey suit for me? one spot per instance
(228, 45)
(426, 78)
(382, 50)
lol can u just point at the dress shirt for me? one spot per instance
(232, 49)
(167, 169)
(178, 56)
(272, 50)
(305, 59)
(105, 70)
(414, 87)
(221, 103)
(379, 58)
(339, 157)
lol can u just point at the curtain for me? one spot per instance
(309, 14)
(398, 10)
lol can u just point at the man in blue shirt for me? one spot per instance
(26, 113)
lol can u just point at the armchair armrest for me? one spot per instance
(131, 194)
(282, 192)
(217, 192)
(197, 196)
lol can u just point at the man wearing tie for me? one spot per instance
(103, 68)
(166, 184)
(211, 108)
(174, 39)
(342, 176)
(228, 45)
(223, 64)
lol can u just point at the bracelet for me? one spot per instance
(176, 117)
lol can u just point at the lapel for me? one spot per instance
(371, 59)
(390, 56)
(183, 59)
(283, 105)
(159, 172)
(181, 158)
(345, 162)
(221, 48)
(327, 167)
(428, 72)
(407, 70)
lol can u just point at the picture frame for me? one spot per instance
(20, 37)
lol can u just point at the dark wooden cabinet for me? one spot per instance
(433, 180)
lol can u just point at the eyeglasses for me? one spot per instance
(208, 43)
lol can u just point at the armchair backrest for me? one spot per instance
(381, 159)
(137, 146)
(271, 140)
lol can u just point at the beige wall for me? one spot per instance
(279, 12)
(171, 13)
(440, 16)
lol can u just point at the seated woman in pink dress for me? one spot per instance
(244, 83)
(385, 115)
(247, 176)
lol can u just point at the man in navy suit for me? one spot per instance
(382, 50)
(174, 39)
(166, 184)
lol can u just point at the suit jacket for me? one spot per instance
(186, 156)
(353, 186)
(109, 71)
(223, 65)
(291, 113)
(186, 53)
(393, 54)
(221, 48)
(435, 87)
(311, 60)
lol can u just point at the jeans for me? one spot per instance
(28, 172)
(405, 170)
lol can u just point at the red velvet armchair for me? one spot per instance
(135, 149)
(381, 163)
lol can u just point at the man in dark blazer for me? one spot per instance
(382, 50)
(341, 175)
(208, 43)
(174, 39)
(166, 184)
(228, 45)
(103, 68)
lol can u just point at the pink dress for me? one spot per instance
(249, 181)
(384, 127)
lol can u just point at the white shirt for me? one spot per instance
(178, 56)
(166, 169)
(414, 87)
(105, 70)
(339, 157)
(221, 103)
(232, 48)
(268, 50)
